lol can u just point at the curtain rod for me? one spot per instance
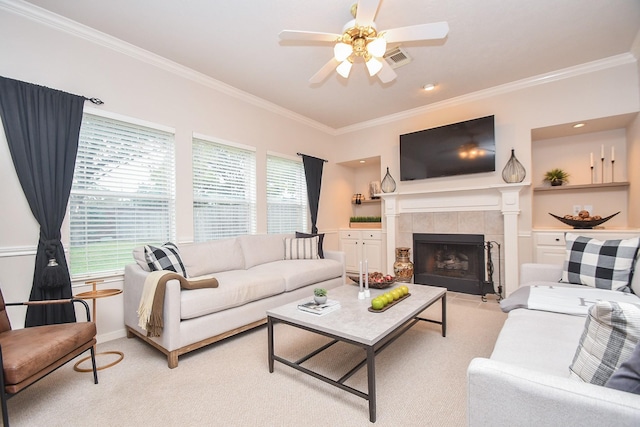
(96, 101)
(300, 154)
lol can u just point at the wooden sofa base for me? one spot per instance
(172, 356)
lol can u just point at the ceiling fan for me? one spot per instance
(360, 40)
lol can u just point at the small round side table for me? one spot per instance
(94, 294)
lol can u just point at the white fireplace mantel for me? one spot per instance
(502, 197)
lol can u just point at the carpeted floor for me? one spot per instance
(420, 378)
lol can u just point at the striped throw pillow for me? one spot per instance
(301, 248)
(611, 332)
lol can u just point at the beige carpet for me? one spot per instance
(421, 381)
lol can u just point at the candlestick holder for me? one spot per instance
(612, 174)
(592, 174)
(361, 295)
(602, 172)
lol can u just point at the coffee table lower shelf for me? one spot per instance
(369, 361)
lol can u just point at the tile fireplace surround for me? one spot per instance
(492, 211)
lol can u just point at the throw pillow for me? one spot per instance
(320, 241)
(611, 332)
(166, 257)
(301, 248)
(627, 376)
(601, 264)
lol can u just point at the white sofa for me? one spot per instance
(526, 380)
(253, 277)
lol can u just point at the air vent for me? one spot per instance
(397, 57)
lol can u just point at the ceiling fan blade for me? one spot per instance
(324, 71)
(366, 12)
(308, 35)
(386, 73)
(436, 30)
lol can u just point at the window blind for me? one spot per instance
(224, 190)
(286, 195)
(123, 193)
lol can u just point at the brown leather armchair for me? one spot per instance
(29, 354)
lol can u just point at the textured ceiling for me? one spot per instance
(490, 42)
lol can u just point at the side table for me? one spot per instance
(94, 294)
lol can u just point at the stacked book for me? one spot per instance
(319, 309)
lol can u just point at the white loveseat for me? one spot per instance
(253, 277)
(526, 381)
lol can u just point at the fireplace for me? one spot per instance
(452, 261)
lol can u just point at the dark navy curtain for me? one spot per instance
(42, 127)
(313, 174)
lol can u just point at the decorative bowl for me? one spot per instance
(373, 280)
(583, 224)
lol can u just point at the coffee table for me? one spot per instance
(354, 324)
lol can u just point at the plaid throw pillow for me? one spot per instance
(165, 257)
(611, 332)
(303, 248)
(600, 264)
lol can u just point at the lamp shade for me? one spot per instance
(373, 65)
(377, 47)
(344, 68)
(341, 51)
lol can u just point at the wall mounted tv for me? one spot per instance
(456, 149)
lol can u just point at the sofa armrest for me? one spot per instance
(536, 272)
(134, 278)
(340, 257)
(500, 394)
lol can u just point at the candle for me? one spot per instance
(613, 154)
(602, 152)
(591, 159)
(366, 277)
(360, 283)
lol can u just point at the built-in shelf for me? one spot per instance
(583, 186)
(364, 202)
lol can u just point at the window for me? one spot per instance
(123, 193)
(286, 195)
(224, 189)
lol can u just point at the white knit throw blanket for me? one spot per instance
(146, 300)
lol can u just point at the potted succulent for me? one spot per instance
(556, 177)
(320, 295)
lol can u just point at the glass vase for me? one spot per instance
(388, 183)
(513, 171)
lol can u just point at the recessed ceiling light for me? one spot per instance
(362, 161)
(429, 86)
(578, 125)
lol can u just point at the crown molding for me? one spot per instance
(589, 67)
(50, 19)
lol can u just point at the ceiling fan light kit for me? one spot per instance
(360, 39)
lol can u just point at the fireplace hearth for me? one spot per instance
(452, 261)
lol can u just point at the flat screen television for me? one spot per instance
(456, 149)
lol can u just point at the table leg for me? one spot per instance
(270, 342)
(371, 380)
(444, 315)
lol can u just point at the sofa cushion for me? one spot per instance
(320, 241)
(139, 258)
(301, 272)
(166, 257)
(627, 376)
(538, 340)
(261, 248)
(235, 288)
(611, 333)
(601, 264)
(301, 248)
(212, 256)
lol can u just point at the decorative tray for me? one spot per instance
(582, 224)
(372, 280)
(391, 304)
